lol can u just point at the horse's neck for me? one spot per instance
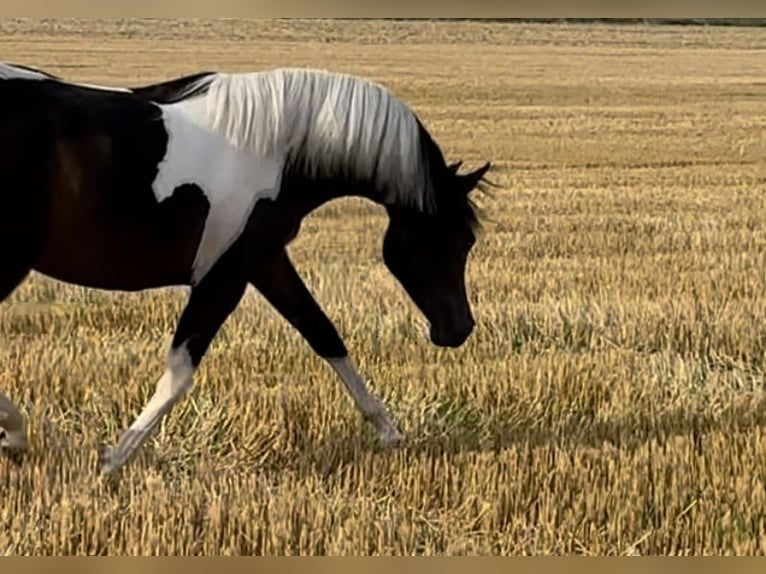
(309, 196)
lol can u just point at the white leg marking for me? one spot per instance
(13, 428)
(175, 382)
(368, 404)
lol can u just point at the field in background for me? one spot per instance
(611, 400)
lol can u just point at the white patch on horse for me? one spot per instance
(102, 88)
(231, 179)
(11, 72)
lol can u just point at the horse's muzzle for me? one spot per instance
(451, 335)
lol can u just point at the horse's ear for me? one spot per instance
(453, 167)
(470, 180)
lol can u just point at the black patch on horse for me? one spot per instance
(174, 90)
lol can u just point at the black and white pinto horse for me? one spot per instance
(203, 181)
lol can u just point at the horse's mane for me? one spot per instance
(327, 125)
(322, 125)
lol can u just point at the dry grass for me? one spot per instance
(610, 401)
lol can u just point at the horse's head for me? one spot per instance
(427, 253)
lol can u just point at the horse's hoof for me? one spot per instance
(108, 464)
(14, 455)
(13, 446)
(393, 439)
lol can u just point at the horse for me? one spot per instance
(202, 181)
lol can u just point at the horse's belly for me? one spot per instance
(97, 247)
(118, 270)
(114, 264)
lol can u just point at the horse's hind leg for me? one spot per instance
(23, 221)
(13, 432)
(210, 303)
(13, 428)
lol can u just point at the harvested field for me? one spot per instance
(611, 400)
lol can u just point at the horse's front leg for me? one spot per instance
(210, 303)
(279, 282)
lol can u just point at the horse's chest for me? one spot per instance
(231, 180)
